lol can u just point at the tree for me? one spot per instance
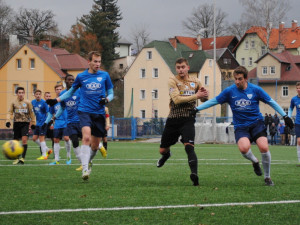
(140, 36)
(238, 29)
(103, 21)
(202, 21)
(34, 23)
(265, 13)
(80, 41)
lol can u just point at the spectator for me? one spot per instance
(281, 131)
(276, 120)
(286, 135)
(273, 131)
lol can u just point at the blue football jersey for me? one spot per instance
(295, 102)
(71, 105)
(93, 88)
(244, 103)
(61, 121)
(40, 109)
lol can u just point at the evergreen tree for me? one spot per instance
(103, 21)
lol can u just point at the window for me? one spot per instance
(210, 62)
(155, 94)
(25, 52)
(142, 94)
(142, 73)
(155, 73)
(15, 86)
(243, 61)
(252, 44)
(149, 55)
(143, 114)
(121, 66)
(246, 44)
(226, 61)
(263, 50)
(285, 91)
(250, 61)
(264, 70)
(19, 64)
(155, 113)
(32, 63)
(286, 110)
(206, 80)
(33, 88)
(272, 70)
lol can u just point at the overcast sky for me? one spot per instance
(163, 18)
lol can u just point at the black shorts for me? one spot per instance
(20, 129)
(95, 121)
(184, 127)
(49, 133)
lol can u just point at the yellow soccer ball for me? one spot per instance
(12, 149)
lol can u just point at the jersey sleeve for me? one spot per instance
(223, 96)
(108, 83)
(10, 115)
(175, 95)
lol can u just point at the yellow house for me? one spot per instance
(146, 92)
(36, 67)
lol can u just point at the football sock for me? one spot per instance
(298, 152)
(92, 154)
(266, 162)
(68, 148)
(24, 152)
(77, 153)
(249, 155)
(56, 151)
(85, 156)
(192, 158)
(43, 147)
(105, 145)
(37, 141)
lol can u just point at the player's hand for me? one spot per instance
(103, 101)
(288, 121)
(8, 124)
(32, 127)
(44, 126)
(194, 112)
(50, 123)
(51, 102)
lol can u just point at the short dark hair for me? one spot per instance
(297, 84)
(241, 70)
(181, 60)
(68, 75)
(92, 53)
(58, 85)
(19, 88)
(37, 90)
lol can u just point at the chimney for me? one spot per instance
(199, 42)
(294, 24)
(281, 26)
(46, 44)
(173, 42)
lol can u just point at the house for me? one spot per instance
(36, 67)
(146, 93)
(255, 43)
(277, 74)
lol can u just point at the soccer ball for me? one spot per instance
(12, 149)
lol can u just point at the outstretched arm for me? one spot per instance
(277, 107)
(207, 104)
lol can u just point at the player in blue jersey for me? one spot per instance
(295, 102)
(60, 128)
(40, 109)
(49, 134)
(71, 106)
(96, 89)
(244, 98)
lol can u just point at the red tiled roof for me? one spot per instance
(59, 59)
(207, 43)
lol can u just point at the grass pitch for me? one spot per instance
(128, 188)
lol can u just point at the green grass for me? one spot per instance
(129, 178)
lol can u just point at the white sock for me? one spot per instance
(85, 156)
(249, 155)
(100, 144)
(43, 148)
(38, 142)
(266, 162)
(77, 153)
(56, 151)
(298, 152)
(68, 148)
(92, 154)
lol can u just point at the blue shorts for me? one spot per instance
(297, 130)
(74, 128)
(39, 131)
(252, 132)
(95, 121)
(60, 132)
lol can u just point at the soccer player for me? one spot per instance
(60, 129)
(71, 106)
(244, 98)
(50, 127)
(184, 92)
(21, 114)
(96, 89)
(295, 102)
(40, 109)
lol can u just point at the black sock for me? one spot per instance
(24, 152)
(105, 145)
(192, 158)
(41, 151)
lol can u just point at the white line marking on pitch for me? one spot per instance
(150, 207)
